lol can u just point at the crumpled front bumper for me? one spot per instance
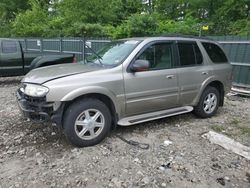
(34, 108)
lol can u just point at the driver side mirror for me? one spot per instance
(140, 65)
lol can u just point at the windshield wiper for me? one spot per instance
(96, 54)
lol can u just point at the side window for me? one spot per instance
(9, 46)
(189, 54)
(198, 55)
(215, 52)
(159, 56)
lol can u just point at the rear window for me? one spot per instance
(189, 53)
(9, 46)
(215, 52)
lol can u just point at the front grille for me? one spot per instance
(37, 104)
(34, 99)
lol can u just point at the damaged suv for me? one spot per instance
(127, 82)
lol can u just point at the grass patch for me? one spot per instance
(245, 130)
(217, 128)
(235, 121)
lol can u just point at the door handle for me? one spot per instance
(170, 76)
(204, 73)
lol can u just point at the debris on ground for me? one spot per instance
(221, 181)
(248, 176)
(167, 142)
(228, 143)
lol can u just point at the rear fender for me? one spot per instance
(203, 87)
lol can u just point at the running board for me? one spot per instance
(154, 115)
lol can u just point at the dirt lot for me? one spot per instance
(34, 155)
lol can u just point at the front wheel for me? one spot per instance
(208, 104)
(87, 122)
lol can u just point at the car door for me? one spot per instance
(192, 71)
(11, 61)
(156, 88)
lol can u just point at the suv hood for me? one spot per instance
(45, 74)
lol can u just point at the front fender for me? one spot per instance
(117, 100)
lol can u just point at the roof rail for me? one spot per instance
(184, 36)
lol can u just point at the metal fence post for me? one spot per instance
(25, 44)
(41, 45)
(83, 49)
(61, 45)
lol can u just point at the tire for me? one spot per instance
(208, 103)
(87, 122)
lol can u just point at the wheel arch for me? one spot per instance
(107, 100)
(216, 84)
(219, 86)
(102, 97)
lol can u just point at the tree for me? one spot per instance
(136, 25)
(87, 11)
(228, 13)
(240, 27)
(8, 10)
(188, 25)
(32, 22)
(122, 18)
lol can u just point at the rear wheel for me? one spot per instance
(208, 104)
(87, 122)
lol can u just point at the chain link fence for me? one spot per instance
(238, 51)
(77, 46)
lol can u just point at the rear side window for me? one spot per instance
(9, 46)
(215, 52)
(198, 55)
(189, 53)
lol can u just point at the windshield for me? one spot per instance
(113, 53)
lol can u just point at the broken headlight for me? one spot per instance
(35, 90)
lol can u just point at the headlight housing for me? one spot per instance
(34, 90)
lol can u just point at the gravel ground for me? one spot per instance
(33, 155)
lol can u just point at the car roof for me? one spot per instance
(172, 37)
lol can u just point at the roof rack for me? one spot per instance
(184, 36)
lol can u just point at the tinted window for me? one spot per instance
(198, 55)
(158, 55)
(189, 54)
(9, 47)
(186, 53)
(215, 52)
